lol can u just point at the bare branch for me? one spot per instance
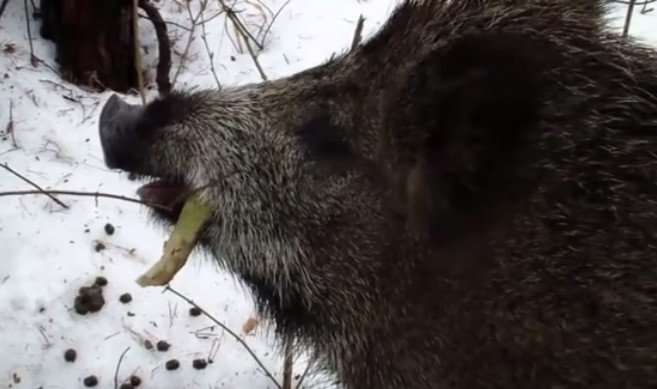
(630, 10)
(210, 54)
(287, 364)
(358, 33)
(33, 59)
(194, 20)
(118, 366)
(53, 198)
(228, 330)
(246, 35)
(83, 194)
(273, 19)
(255, 60)
(232, 15)
(303, 375)
(10, 125)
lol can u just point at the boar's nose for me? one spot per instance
(117, 128)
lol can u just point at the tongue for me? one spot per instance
(162, 193)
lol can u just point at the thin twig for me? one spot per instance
(53, 198)
(210, 54)
(628, 2)
(645, 9)
(287, 364)
(163, 45)
(33, 59)
(118, 366)
(255, 60)
(261, 5)
(644, 3)
(273, 19)
(358, 33)
(116, 197)
(232, 15)
(180, 26)
(192, 30)
(228, 330)
(83, 194)
(261, 9)
(628, 18)
(44, 63)
(303, 375)
(138, 59)
(10, 125)
(246, 35)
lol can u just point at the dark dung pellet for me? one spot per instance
(194, 311)
(109, 229)
(125, 298)
(80, 305)
(162, 345)
(100, 281)
(135, 381)
(199, 364)
(70, 355)
(90, 381)
(172, 364)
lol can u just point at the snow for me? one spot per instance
(47, 252)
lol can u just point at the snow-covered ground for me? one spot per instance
(48, 252)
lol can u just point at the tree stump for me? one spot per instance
(94, 40)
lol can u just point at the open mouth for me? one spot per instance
(165, 196)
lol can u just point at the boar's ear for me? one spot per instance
(465, 113)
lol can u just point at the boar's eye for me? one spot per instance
(325, 142)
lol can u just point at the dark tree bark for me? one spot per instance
(94, 41)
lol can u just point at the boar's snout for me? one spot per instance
(117, 127)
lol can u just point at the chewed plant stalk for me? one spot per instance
(180, 244)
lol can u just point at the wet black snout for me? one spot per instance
(118, 127)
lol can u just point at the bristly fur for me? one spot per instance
(466, 201)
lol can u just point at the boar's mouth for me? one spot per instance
(165, 196)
